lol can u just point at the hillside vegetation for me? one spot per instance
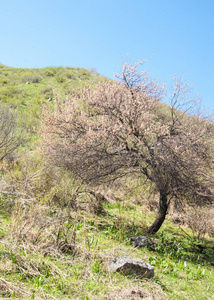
(57, 231)
(27, 89)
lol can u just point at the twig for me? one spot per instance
(185, 233)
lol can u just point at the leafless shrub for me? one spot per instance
(200, 220)
(24, 179)
(10, 136)
(40, 228)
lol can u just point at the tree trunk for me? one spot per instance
(163, 207)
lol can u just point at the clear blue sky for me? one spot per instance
(176, 36)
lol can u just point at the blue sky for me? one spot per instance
(176, 37)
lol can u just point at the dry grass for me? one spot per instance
(41, 228)
(199, 219)
(133, 293)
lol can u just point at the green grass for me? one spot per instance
(27, 89)
(180, 271)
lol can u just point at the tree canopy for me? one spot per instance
(121, 128)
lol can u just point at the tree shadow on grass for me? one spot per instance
(168, 242)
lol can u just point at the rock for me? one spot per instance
(130, 266)
(139, 241)
(142, 241)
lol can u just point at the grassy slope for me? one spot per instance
(27, 89)
(181, 272)
(29, 271)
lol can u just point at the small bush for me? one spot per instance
(84, 74)
(70, 76)
(60, 79)
(201, 221)
(32, 78)
(42, 228)
(10, 91)
(3, 81)
(48, 92)
(49, 72)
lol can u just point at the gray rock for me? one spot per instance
(130, 266)
(139, 241)
(142, 241)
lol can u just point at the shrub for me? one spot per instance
(32, 78)
(11, 136)
(60, 79)
(49, 72)
(200, 220)
(41, 228)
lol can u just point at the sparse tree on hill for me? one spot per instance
(121, 128)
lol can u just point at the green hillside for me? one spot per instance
(57, 233)
(27, 89)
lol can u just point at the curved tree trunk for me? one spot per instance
(163, 207)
